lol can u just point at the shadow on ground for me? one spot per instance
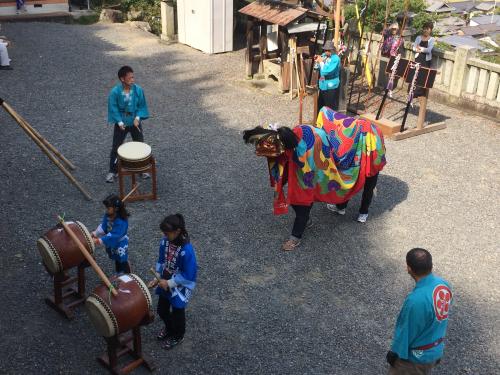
(327, 308)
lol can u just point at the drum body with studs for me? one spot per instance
(59, 252)
(112, 315)
(135, 156)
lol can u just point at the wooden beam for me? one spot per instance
(414, 132)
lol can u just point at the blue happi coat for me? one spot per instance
(329, 72)
(180, 265)
(422, 321)
(113, 235)
(123, 108)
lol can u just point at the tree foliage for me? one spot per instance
(376, 12)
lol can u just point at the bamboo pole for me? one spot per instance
(337, 23)
(51, 147)
(88, 257)
(44, 148)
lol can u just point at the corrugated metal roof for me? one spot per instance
(273, 12)
(480, 30)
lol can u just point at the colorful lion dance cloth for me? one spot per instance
(330, 163)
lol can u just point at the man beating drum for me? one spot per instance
(127, 107)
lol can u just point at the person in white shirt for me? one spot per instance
(4, 54)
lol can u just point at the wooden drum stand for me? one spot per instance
(136, 158)
(62, 292)
(127, 343)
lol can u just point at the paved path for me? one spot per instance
(327, 308)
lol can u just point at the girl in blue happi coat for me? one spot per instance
(177, 267)
(112, 233)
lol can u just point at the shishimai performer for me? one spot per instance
(112, 233)
(127, 108)
(418, 342)
(177, 267)
(329, 162)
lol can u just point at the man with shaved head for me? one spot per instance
(418, 341)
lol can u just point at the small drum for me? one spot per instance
(59, 252)
(112, 315)
(135, 156)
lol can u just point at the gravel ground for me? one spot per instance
(327, 308)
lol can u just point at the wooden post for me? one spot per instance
(338, 10)
(422, 110)
(249, 51)
(262, 46)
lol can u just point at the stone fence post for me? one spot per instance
(167, 20)
(459, 73)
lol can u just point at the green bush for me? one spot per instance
(150, 9)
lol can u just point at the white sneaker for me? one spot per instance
(334, 208)
(110, 178)
(362, 218)
(145, 176)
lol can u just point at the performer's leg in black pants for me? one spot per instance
(163, 310)
(328, 98)
(137, 135)
(366, 199)
(178, 326)
(122, 267)
(370, 184)
(321, 100)
(301, 219)
(118, 138)
(174, 319)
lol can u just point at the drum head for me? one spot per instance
(144, 289)
(101, 316)
(134, 151)
(50, 257)
(90, 244)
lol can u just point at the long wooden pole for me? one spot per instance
(88, 257)
(54, 150)
(363, 19)
(337, 23)
(49, 145)
(45, 150)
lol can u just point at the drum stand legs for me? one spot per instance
(123, 172)
(125, 344)
(62, 292)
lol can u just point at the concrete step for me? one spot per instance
(61, 17)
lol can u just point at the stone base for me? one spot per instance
(168, 39)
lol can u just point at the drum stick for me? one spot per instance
(88, 257)
(46, 151)
(155, 274)
(130, 193)
(21, 121)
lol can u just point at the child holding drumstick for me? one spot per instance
(177, 267)
(112, 233)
